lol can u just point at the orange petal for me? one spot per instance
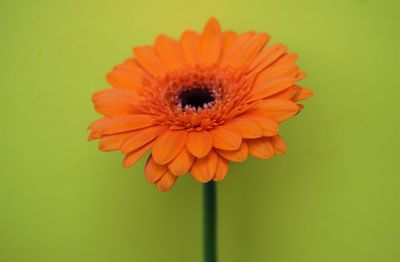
(190, 44)
(222, 169)
(271, 87)
(301, 76)
(238, 43)
(113, 142)
(250, 50)
(226, 138)
(260, 148)
(134, 156)
(169, 51)
(149, 60)
(114, 102)
(199, 143)
(168, 146)
(166, 181)
(274, 72)
(266, 58)
(99, 123)
(154, 171)
(278, 144)
(97, 127)
(182, 163)
(247, 128)
(287, 59)
(128, 78)
(302, 93)
(140, 137)
(228, 39)
(288, 93)
(203, 169)
(211, 42)
(239, 155)
(127, 123)
(269, 127)
(278, 109)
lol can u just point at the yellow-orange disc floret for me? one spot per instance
(199, 103)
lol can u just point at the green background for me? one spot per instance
(333, 197)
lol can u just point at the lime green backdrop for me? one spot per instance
(334, 197)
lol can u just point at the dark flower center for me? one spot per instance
(196, 97)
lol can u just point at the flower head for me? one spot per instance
(198, 103)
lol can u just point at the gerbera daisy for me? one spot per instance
(198, 103)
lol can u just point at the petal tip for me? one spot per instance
(212, 21)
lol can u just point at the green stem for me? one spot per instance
(209, 219)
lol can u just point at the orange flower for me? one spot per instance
(199, 103)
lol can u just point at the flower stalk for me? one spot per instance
(210, 222)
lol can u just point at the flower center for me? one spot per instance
(197, 97)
